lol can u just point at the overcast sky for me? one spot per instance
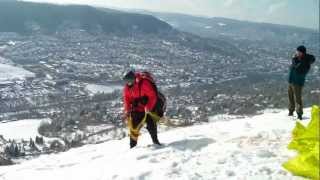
(303, 13)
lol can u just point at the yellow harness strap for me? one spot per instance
(135, 132)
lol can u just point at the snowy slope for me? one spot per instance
(22, 129)
(9, 72)
(249, 148)
(95, 88)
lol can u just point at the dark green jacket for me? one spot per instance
(299, 69)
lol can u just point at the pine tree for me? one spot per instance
(16, 151)
(31, 144)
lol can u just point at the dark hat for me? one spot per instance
(302, 49)
(130, 76)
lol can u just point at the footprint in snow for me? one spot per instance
(174, 164)
(154, 160)
(96, 157)
(265, 154)
(192, 144)
(67, 165)
(43, 169)
(142, 157)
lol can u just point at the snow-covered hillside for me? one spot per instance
(95, 88)
(9, 72)
(22, 129)
(248, 148)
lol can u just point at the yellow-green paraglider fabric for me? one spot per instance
(305, 140)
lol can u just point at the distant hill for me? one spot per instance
(235, 29)
(26, 17)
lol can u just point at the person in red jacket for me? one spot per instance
(139, 98)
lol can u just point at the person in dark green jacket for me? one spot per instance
(301, 63)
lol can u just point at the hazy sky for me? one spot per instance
(304, 13)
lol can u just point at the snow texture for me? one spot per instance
(221, 24)
(94, 88)
(22, 129)
(9, 72)
(246, 148)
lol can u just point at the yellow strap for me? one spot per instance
(154, 116)
(135, 132)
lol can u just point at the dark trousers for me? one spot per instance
(137, 117)
(295, 98)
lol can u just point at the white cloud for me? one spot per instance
(276, 7)
(230, 3)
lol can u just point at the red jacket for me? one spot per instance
(132, 94)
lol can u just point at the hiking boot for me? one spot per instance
(155, 140)
(157, 143)
(299, 116)
(133, 143)
(290, 113)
